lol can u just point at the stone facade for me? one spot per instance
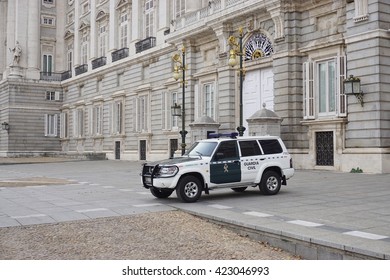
(95, 76)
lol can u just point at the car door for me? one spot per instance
(225, 166)
(251, 159)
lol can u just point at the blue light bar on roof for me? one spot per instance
(221, 135)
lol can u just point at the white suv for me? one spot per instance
(221, 162)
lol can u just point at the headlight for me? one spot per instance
(168, 171)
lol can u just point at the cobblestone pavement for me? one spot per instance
(171, 235)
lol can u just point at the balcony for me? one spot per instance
(119, 54)
(99, 62)
(81, 69)
(145, 44)
(55, 77)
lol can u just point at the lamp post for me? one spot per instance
(179, 65)
(236, 49)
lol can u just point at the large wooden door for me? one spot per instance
(258, 88)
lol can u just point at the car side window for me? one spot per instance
(227, 150)
(249, 148)
(271, 146)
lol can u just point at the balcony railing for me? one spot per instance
(55, 77)
(81, 69)
(99, 62)
(50, 76)
(145, 44)
(66, 75)
(119, 54)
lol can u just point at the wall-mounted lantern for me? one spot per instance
(352, 87)
(176, 110)
(5, 126)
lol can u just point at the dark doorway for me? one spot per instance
(117, 149)
(142, 149)
(173, 146)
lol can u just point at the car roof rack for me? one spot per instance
(232, 135)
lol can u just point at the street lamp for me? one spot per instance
(236, 49)
(179, 65)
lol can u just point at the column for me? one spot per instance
(11, 30)
(135, 20)
(93, 34)
(33, 40)
(113, 31)
(76, 53)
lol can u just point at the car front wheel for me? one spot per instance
(189, 189)
(270, 183)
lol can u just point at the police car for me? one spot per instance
(221, 162)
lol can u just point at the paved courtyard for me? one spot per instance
(319, 214)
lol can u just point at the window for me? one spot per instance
(46, 20)
(149, 18)
(48, 3)
(47, 63)
(78, 123)
(123, 27)
(69, 57)
(117, 117)
(142, 114)
(326, 87)
(167, 101)
(64, 121)
(51, 124)
(52, 95)
(179, 8)
(323, 88)
(208, 90)
(249, 148)
(271, 146)
(227, 150)
(84, 49)
(97, 120)
(102, 39)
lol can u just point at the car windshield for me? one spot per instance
(201, 149)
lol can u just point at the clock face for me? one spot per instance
(258, 46)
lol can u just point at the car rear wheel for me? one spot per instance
(159, 193)
(270, 183)
(189, 189)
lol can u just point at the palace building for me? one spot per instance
(106, 77)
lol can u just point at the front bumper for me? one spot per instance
(150, 180)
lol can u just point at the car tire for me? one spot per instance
(270, 183)
(189, 189)
(159, 193)
(241, 189)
